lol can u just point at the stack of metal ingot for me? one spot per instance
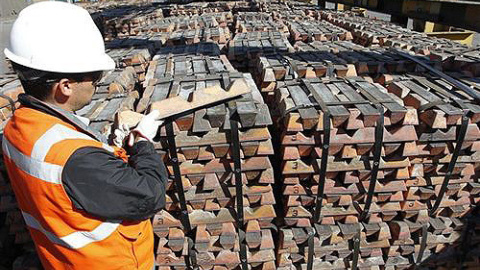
(317, 30)
(276, 9)
(204, 28)
(245, 48)
(134, 53)
(203, 146)
(441, 107)
(308, 61)
(258, 21)
(367, 61)
(190, 9)
(291, 15)
(423, 44)
(452, 55)
(203, 48)
(353, 149)
(310, 10)
(125, 21)
(366, 31)
(224, 19)
(219, 6)
(164, 25)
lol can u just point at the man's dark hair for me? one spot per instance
(39, 83)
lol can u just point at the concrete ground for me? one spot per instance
(476, 40)
(5, 27)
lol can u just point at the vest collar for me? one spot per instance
(69, 117)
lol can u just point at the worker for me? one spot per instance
(87, 204)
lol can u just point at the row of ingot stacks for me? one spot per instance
(126, 20)
(200, 8)
(372, 62)
(366, 31)
(453, 55)
(204, 150)
(348, 173)
(329, 59)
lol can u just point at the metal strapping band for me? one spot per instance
(377, 151)
(311, 248)
(238, 188)
(322, 172)
(330, 70)
(451, 164)
(356, 250)
(323, 165)
(179, 188)
(423, 245)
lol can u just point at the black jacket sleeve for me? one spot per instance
(105, 186)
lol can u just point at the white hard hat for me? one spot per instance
(57, 37)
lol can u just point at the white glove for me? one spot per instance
(147, 128)
(120, 134)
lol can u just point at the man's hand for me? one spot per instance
(146, 129)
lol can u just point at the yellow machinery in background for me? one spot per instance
(441, 31)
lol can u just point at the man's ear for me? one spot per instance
(62, 91)
(64, 87)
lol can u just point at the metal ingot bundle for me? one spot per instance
(366, 31)
(203, 148)
(355, 179)
(316, 30)
(245, 48)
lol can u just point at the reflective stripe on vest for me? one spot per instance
(74, 240)
(36, 166)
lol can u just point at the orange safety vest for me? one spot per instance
(36, 146)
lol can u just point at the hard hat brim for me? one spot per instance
(100, 63)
